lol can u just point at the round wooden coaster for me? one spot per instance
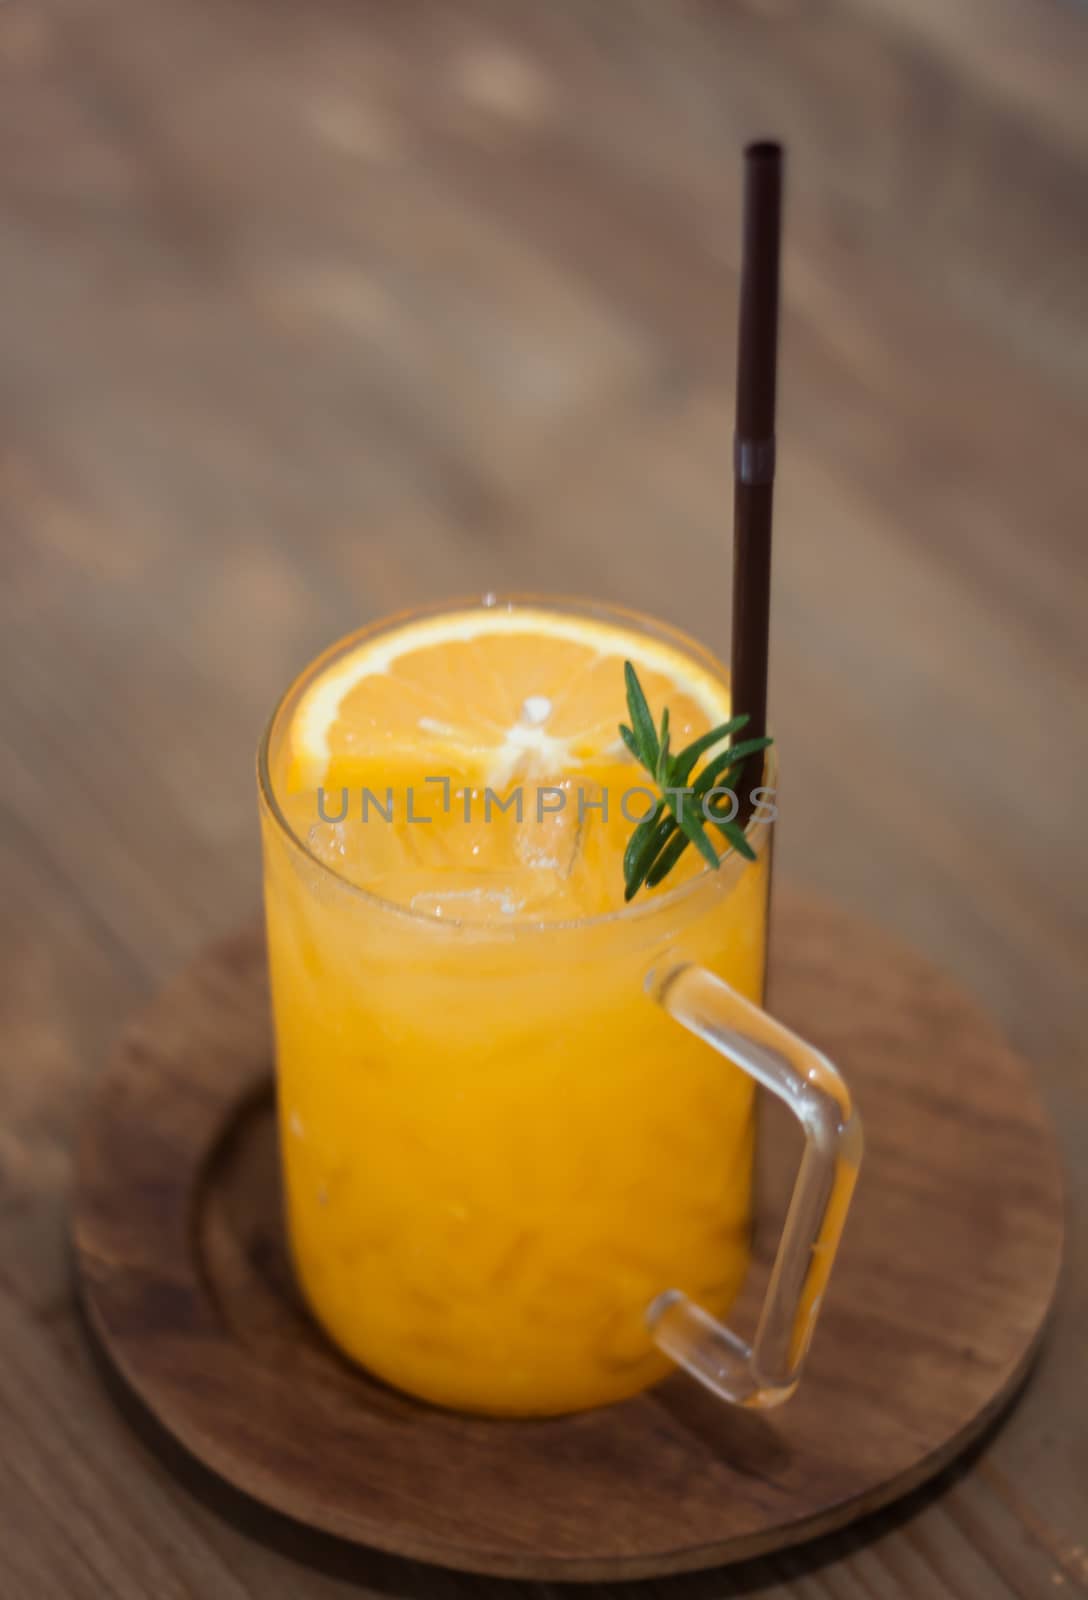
(947, 1272)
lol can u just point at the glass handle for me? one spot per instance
(767, 1371)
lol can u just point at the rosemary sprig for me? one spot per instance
(680, 818)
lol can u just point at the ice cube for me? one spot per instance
(483, 899)
(551, 837)
(361, 851)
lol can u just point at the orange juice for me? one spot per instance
(498, 1151)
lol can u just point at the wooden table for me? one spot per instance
(310, 311)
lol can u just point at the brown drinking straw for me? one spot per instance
(753, 447)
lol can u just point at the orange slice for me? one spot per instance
(491, 697)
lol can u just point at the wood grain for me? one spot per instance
(311, 312)
(937, 1306)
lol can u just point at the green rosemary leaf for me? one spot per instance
(641, 720)
(629, 740)
(699, 837)
(728, 758)
(684, 762)
(648, 852)
(737, 837)
(668, 858)
(664, 766)
(643, 846)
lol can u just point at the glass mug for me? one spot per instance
(518, 1157)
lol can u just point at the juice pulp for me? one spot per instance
(497, 1149)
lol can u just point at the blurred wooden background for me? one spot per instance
(312, 310)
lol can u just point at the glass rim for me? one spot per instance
(756, 830)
